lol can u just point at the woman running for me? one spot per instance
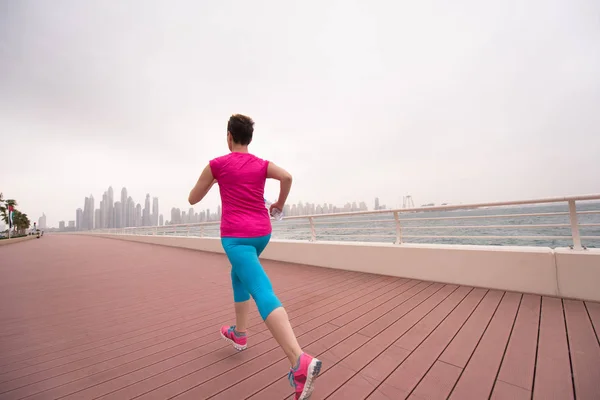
(245, 232)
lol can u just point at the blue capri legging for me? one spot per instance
(247, 275)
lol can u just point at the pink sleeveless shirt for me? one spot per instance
(241, 178)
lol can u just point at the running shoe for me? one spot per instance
(237, 339)
(303, 375)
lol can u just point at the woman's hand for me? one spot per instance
(277, 206)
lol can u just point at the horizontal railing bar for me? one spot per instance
(353, 222)
(466, 236)
(549, 214)
(461, 206)
(495, 237)
(517, 226)
(327, 235)
(464, 227)
(448, 218)
(381, 228)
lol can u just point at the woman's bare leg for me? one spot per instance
(242, 309)
(279, 325)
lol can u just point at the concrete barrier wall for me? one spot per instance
(5, 242)
(540, 270)
(578, 273)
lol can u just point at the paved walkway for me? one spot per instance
(87, 318)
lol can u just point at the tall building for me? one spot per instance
(161, 220)
(42, 222)
(154, 211)
(104, 210)
(118, 215)
(124, 208)
(138, 215)
(175, 216)
(71, 225)
(78, 219)
(146, 215)
(111, 208)
(97, 219)
(61, 225)
(376, 203)
(130, 218)
(89, 214)
(100, 224)
(85, 224)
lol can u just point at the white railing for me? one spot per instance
(548, 222)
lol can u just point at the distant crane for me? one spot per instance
(407, 202)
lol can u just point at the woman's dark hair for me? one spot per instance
(241, 128)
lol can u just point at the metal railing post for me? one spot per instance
(574, 225)
(313, 233)
(398, 228)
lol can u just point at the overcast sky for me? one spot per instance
(459, 101)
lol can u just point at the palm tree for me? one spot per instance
(21, 221)
(4, 209)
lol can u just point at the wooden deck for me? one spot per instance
(88, 318)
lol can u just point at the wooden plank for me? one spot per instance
(506, 391)
(585, 350)
(438, 382)
(462, 346)
(553, 371)
(518, 365)
(594, 313)
(480, 373)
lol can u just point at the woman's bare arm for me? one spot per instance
(285, 183)
(202, 187)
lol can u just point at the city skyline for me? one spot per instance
(111, 214)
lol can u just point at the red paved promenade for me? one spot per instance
(88, 318)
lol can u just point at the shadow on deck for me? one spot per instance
(86, 318)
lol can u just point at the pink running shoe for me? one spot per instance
(237, 339)
(303, 376)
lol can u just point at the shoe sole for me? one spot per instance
(314, 368)
(238, 347)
